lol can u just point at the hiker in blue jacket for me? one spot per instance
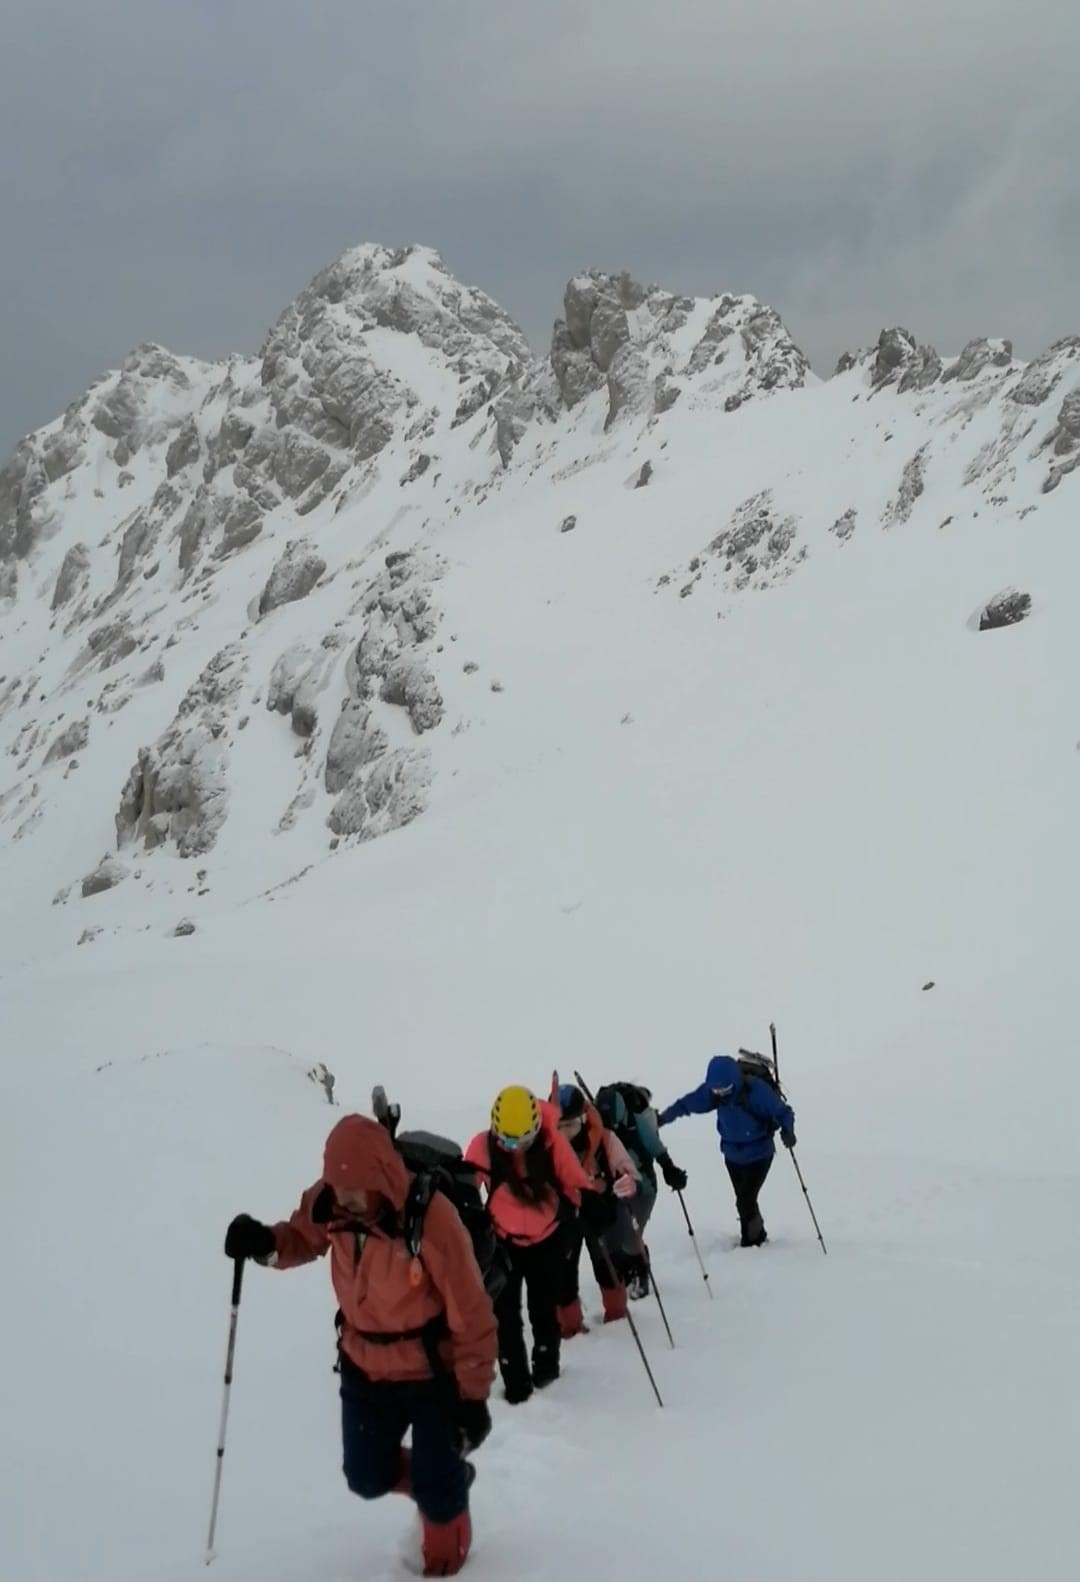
(748, 1112)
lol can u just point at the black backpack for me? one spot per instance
(751, 1064)
(438, 1166)
(618, 1103)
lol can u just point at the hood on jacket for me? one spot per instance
(723, 1072)
(360, 1157)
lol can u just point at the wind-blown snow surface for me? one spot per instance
(680, 816)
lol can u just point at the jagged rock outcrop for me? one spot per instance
(294, 576)
(390, 795)
(1064, 442)
(975, 357)
(1039, 379)
(912, 484)
(354, 742)
(184, 449)
(295, 683)
(409, 684)
(178, 788)
(900, 360)
(71, 740)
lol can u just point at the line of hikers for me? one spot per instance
(430, 1279)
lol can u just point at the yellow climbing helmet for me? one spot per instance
(515, 1118)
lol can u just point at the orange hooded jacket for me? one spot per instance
(379, 1288)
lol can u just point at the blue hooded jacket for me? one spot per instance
(746, 1117)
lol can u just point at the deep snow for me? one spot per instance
(680, 818)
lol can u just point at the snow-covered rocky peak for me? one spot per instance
(649, 347)
(246, 610)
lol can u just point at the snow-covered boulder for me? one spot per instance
(109, 872)
(355, 741)
(294, 576)
(393, 793)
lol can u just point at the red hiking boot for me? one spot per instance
(446, 1545)
(571, 1320)
(614, 1303)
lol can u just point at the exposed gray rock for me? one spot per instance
(911, 487)
(629, 384)
(184, 929)
(184, 449)
(923, 370)
(976, 356)
(389, 796)
(23, 513)
(354, 742)
(756, 540)
(645, 475)
(72, 739)
(9, 580)
(155, 673)
(665, 394)
(567, 525)
(139, 538)
(409, 684)
(895, 349)
(513, 409)
(290, 670)
(844, 525)
(178, 788)
(63, 450)
(579, 302)
(241, 522)
(608, 332)
(108, 873)
(1005, 609)
(575, 372)
(294, 576)
(417, 470)
(1037, 381)
(1064, 442)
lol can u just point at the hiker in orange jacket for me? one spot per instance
(387, 1301)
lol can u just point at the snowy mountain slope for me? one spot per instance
(750, 756)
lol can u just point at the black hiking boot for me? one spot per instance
(545, 1368)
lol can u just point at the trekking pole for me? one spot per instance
(643, 1254)
(238, 1276)
(583, 1085)
(809, 1205)
(795, 1162)
(641, 1248)
(693, 1238)
(633, 1326)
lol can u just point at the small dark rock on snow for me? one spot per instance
(1005, 610)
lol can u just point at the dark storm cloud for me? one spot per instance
(176, 171)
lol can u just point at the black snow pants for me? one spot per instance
(538, 1269)
(748, 1181)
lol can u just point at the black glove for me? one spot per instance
(474, 1423)
(675, 1178)
(249, 1238)
(787, 1137)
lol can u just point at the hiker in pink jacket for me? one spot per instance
(534, 1185)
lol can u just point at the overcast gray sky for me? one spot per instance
(176, 170)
